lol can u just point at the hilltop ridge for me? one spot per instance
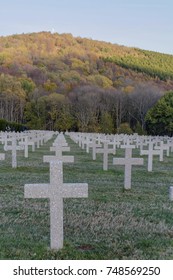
(24, 48)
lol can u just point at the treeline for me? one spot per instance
(84, 108)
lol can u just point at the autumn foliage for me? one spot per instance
(56, 81)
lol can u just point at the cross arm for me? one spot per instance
(63, 149)
(137, 161)
(68, 158)
(56, 158)
(36, 190)
(100, 150)
(144, 152)
(119, 161)
(75, 190)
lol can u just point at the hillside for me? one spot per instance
(47, 80)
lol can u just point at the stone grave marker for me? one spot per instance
(105, 151)
(162, 147)
(56, 191)
(128, 161)
(24, 143)
(13, 148)
(94, 145)
(59, 156)
(150, 153)
(58, 149)
(170, 143)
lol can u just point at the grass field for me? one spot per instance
(110, 224)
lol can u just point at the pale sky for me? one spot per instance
(146, 24)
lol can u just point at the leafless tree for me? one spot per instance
(141, 100)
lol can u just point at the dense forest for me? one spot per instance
(59, 82)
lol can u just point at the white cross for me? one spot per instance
(113, 142)
(14, 149)
(86, 141)
(94, 145)
(56, 191)
(162, 147)
(105, 151)
(170, 143)
(127, 145)
(58, 156)
(128, 161)
(150, 152)
(24, 143)
(59, 149)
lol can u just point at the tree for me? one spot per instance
(35, 113)
(54, 105)
(86, 107)
(159, 119)
(106, 123)
(50, 86)
(119, 107)
(100, 80)
(12, 98)
(140, 101)
(65, 120)
(125, 129)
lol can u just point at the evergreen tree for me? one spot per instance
(159, 119)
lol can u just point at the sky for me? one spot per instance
(145, 24)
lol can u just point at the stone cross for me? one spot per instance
(162, 147)
(117, 141)
(105, 151)
(86, 141)
(31, 142)
(150, 153)
(14, 149)
(94, 145)
(58, 155)
(127, 144)
(58, 149)
(170, 143)
(80, 139)
(3, 137)
(60, 141)
(56, 191)
(14, 152)
(38, 139)
(113, 142)
(24, 143)
(128, 161)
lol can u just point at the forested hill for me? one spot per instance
(37, 48)
(42, 73)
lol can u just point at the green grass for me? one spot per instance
(110, 224)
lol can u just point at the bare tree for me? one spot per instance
(141, 100)
(86, 106)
